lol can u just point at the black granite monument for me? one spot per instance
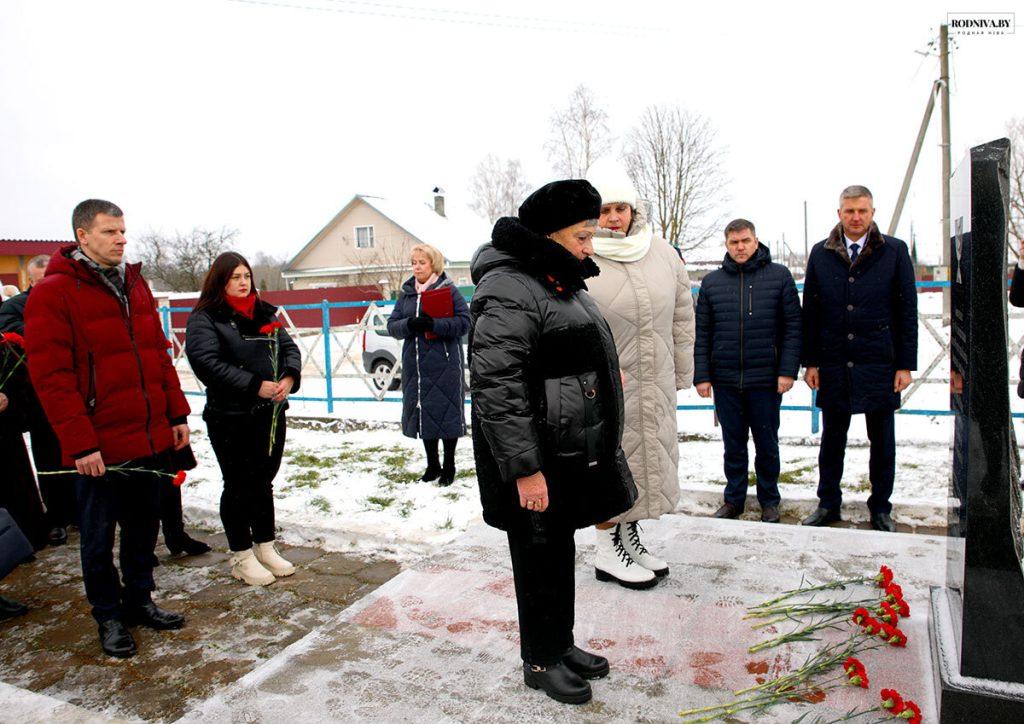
(977, 621)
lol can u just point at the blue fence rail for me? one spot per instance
(329, 399)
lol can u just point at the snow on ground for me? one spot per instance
(350, 479)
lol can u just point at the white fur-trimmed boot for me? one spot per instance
(266, 553)
(631, 542)
(245, 567)
(613, 562)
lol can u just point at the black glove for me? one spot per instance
(420, 324)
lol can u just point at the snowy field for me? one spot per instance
(350, 479)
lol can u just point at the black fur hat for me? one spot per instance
(560, 204)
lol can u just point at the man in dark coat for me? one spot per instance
(58, 491)
(99, 363)
(547, 418)
(748, 350)
(860, 346)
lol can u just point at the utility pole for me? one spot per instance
(898, 211)
(946, 160)
(807, 253)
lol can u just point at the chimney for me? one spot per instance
(439, 200)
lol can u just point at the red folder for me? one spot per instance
(438, 304)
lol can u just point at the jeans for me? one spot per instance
(881, 426)
(754, 411)
(131, 501)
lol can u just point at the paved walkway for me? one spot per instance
(439, 642)
(232, 629)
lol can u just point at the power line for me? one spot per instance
(456, 17)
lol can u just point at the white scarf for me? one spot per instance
(617, 246)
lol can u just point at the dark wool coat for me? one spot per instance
(101, 370)
(18, 492)
(1017, 300)
(232, 358)
(748, 324)
(860, 321)
(546, 386)
(433, 377)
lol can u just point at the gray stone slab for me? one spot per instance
(439, 642)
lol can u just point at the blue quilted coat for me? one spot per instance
(433, 382)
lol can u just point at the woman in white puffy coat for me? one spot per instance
(644, 292)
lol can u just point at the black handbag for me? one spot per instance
(14, 546)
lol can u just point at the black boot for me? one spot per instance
(57, 536)
(558, 681)
(152, 616)
(116, 640)
(187, 545)
(433, 471)
(10, 609)
(585, 664)
(448, 469)
(822, 516)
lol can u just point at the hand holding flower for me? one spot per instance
(283, 389)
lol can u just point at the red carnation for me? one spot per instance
(884, 577)
(271, 327)
(892, 702)
(888, 614)
(898, 638)
(856, 673)
(911, 712)
(851, 664)
(12, 338)
(872, 627)
(893, 592)
(902, 607)
(861, 615)
(179, 478)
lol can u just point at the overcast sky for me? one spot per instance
(268, 118)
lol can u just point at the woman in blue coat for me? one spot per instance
(433, 382)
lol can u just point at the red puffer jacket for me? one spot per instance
(101, 372)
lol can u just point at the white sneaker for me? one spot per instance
(613, 562)
(631, 542)
(267, 554)
(245, 567)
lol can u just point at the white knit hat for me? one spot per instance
(612, 182)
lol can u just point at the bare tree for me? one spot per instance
(1015, 132)
(675, 163)
(579, 135)
(497, 188)
(266, 272)
(179, 262)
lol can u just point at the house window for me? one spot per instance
(364, 237)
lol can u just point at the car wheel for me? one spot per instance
(380, 372)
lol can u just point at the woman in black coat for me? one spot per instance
(547, 418)
(230, 345)
(433, 381)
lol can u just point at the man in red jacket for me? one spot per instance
(102, 372)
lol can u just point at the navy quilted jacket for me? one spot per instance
(433, 384)
(748, 324)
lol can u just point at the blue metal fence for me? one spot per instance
(330, 399)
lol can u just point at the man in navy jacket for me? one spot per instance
(748, 349)
(860, 346)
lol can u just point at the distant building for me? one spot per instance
(368, 242)
(15, 255)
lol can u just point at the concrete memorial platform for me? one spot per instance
(439, 642)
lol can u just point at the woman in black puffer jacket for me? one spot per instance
(231, 353)
(547, 417)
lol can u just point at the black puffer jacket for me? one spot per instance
(748, 324)
(12, 313)
(545, 382)
(230, 356)
(860, 321)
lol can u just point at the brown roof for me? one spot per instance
(29, 247)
